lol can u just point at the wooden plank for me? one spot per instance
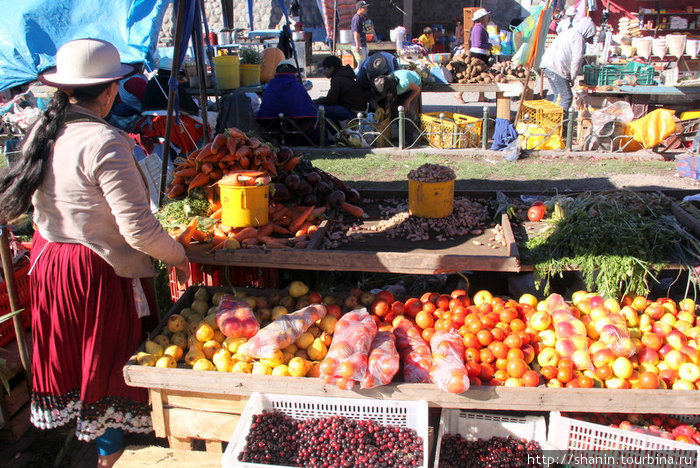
(184, 424)
(496, 398)
(214, 446)
(199, 401)
(159, 457)
(179, 443)
(509, 236)
(157, 416)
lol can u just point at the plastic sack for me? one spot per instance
(653, 128)
(346, 361)
(571, 333)
(383, 362)
(612, 330)
(535, 137)
(448, 371)
(512, 151)
(415, 354)
(283, 332)
(235, 318)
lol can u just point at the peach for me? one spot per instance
(622, 368)
(674, 359)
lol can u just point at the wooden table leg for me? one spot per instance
(502, 106)
(180, 443)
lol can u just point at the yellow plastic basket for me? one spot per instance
(452, 131)
(544, 114)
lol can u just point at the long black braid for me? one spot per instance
(19, 181)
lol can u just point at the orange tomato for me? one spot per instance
(530, 378)
(517, 325)
(471, 317)
(429, 307)
(648, 380)
(458, 293)
(473, 368)
(455, 383)
(489, 320)
(498, 334)
(516, 367)
(501, 363)
(586, 382)
(424, 320)
(565, 374)
(525, 336)
(458, 316)
(398, 308)
(574, 383)
(515, 353)
(549, 372)
(454, 304)
(380, 308)
(507, 315)
(472, 354)
(485, 337)
(486, 356)
(501, 374)
(443, 325)
(566, 362)
(346, 369)
(443, 301)
(604, 372)
(429, 297)
(328, 366)
(475, 326)
(513, 341)
(470, 341)
(428, 334)
(498, 349)
(413, 306)
(486, 373)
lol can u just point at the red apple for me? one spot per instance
(661, 328)
(668, 376)
(676, 339)
(652, 340)
(648, 355)
(602, 357)
(655, 310)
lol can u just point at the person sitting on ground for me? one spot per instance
(562, 60)
(377, 64)
(345, 98)
(426, 39)
(285, 95)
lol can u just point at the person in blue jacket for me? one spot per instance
(285, 94)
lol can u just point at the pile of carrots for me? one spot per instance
(296, 224)
(230, 151)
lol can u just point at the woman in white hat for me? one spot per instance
(92, 251)
(479, 45)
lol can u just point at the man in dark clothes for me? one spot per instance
(156, 95)
(345, 98)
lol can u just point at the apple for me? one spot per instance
(622, 368)
(652, 340)
(668, 318)
(669, 305)
(610, 333)
(686, 316)
(581, 359)
(482, 297)
(655, 310)
(691, 353)
(231, 327)
(513, 382)
(612, 305)
(637, 345)
(547, 337)
(540, 320)
(617, 383)
(682, 326)
(648, 367)
(689, 372)
(598, 313)
(648, 356)
(579, 341)
(528, 353)
(595, 300)
(578, 296)
(564, 330)
(554, 383)
(683, 385)
(693, 332)
(674, 359)
(565, 347)
(661, 328)
(635, 332)
(625, 426)
(687, 305)
(596, 346)
(602, 357)
(676, 339)
(645, 323)
(579, 327)
(631, 316)
(668, 376)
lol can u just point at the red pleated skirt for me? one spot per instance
(84, 329)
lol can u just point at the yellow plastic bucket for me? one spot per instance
(226, 68)
(243, 206)
(250, 74)
(431, 199)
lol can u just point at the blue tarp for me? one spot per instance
(31, 31)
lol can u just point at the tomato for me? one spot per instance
(536, 212)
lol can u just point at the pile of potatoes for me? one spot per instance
(473, 70)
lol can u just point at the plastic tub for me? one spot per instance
(431, 199)
(243, 206)
(345, 36)
(226, 68)
(250, 74)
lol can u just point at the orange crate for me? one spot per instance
(7, 328)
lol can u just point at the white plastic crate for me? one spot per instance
(473, 426)
(411, 414)
(573, 434)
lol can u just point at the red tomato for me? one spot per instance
(536, 212)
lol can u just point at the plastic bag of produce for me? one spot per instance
(416, 357)
(448, 371)
(653, 128)
(283, 331)
(571, 333)
(612, 330)
(383, 362)
(235, 318)
(346, 361)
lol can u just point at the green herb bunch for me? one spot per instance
(250, 55)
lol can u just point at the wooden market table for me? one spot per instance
(389, 46)
(504, 91)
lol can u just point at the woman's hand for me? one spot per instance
(182, 272)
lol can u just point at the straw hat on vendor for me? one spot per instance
(92, 255)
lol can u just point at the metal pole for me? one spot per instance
(11, 285)
(570, 129)
(201, 71)
(484, 127)
(322, 125)
(402, 127)
(171, 98)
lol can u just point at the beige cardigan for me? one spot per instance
(94, 194)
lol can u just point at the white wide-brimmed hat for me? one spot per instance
(288, 61)
(480, 13)
(85, 62)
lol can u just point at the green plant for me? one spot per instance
(250, 56)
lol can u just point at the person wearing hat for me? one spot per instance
(479, 45)
(377, 64)
(345, 97)
(93, 250)
(358, 26)
(562, 60)
(285, 95)
(568, 21)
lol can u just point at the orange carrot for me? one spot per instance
(280, 213)
(299, 220)
(303, 229)
(318, 211)
(352, 210)
(312, 230)
(246, 233)
(272, 243)
(188, 172)
(251, 241)
(244, 152)
(284, 221)
(217, 214)
(265, 230)
(199, 236)
(206, 151)
(186, 236)
(219, 141)
(207, 167)
(176, 190)
(277, 229)
(198, 181)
